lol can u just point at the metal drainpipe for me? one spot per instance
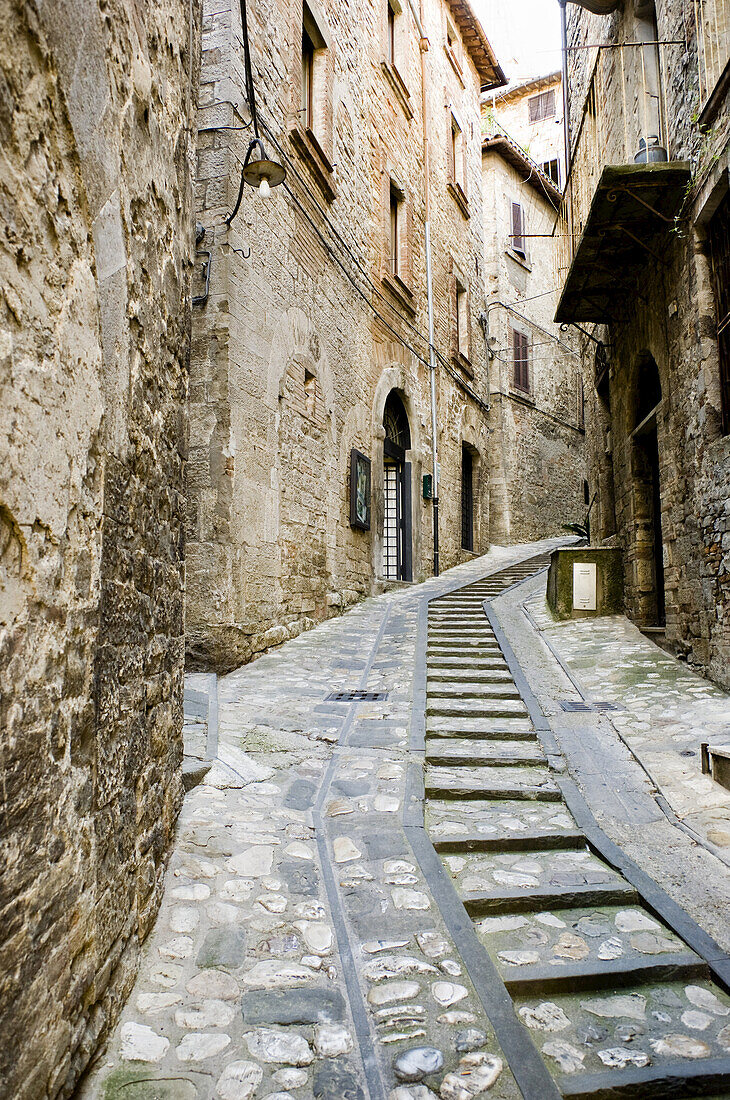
(429, 293)
(566, 101)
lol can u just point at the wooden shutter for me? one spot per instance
(385, 185)
(517, 236)
(450, 143)
(520, 361)
(542, 106)
(406, 241)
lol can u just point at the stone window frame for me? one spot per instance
(314, 142)
(395, 52)
(454, 47)
(457, 153)
(461, 331)
(398, 282)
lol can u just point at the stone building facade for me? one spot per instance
(537, 452)
(531, 112)
(310, 342)
(95, 263)
(647, 277)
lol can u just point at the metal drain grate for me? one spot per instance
(574, 707)
(356, 696)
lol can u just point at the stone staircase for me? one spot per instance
(614, 1000)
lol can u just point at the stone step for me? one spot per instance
(452, 633)
(473, 677)
(460, 615)
(545, 840)
(481, 708)
(504, 690)
(527, 782)
(491, 818)
(437, 726)
(507, 729)
(709, 1077)
(437, 662)
(516, 900)
(457, 643)
(544, 978)
(492, 753)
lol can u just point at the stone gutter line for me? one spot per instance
(652, 895)
(373, 1078)
(211, 744)
(657, 795)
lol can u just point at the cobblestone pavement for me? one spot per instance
(299, 952)
(313, 940)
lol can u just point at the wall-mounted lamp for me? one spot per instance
(262, 172)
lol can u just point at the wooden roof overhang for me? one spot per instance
(531, 173)
(633, 210)
(476, 42)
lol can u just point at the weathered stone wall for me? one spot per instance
(94, 340)
(673, 321)
(292, 363)
(543, 139)
(537, 446)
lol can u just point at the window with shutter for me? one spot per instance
(462, 321)
(391, 34)
(307, 80)
(517, 236)
(542, 106)
(457, 166)
(520, 360)
(395, 230)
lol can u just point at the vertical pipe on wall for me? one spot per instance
(429, 294)
(566, 100)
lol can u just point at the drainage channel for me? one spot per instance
(597, 983)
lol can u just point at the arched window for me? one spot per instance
(395, 422)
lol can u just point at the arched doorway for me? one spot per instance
(397, 528)
(646, 493)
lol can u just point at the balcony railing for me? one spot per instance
(712, 18)
(622, 122)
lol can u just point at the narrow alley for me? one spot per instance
(364, 549)
(398, 879)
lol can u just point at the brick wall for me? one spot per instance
(94, 341)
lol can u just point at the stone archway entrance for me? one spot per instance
(646, 497)
(397, 519)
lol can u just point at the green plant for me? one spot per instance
(581, 529)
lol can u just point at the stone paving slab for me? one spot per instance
(299, 952)
(632, 806)
(667, 710)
